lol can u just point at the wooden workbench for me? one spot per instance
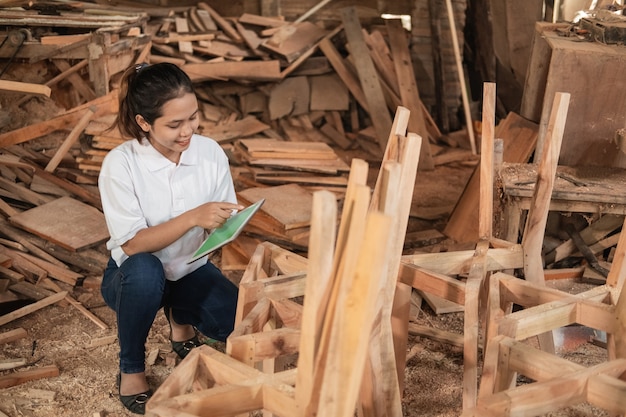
(589, 189)
(592, 73)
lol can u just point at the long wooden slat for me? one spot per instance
(534, 231)
(318, 283)
(21, 377)
(409, 92)
(485, 210)
(370, 83)
(353, 321)
(21, 312)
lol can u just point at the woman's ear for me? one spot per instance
(143, 124)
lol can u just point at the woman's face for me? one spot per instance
(171, 133)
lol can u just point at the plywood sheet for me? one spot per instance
(67, 222)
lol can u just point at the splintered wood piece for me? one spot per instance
(69, 223)
(21, 377)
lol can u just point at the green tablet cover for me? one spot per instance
(227, 232)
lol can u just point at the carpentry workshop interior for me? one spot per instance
(443, 188)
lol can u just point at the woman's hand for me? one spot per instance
(213, 215)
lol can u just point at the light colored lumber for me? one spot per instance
(28, 88)
(485, 210)
(222, 23)
(409, 92)
(318, 285)
(370, 83)
(13, 335)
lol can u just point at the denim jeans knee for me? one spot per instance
(134, 290)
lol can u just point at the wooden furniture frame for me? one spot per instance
(348, 298)
(433, 273)
(558, 382)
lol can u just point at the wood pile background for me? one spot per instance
(289, 101)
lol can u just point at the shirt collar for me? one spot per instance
(155, 161)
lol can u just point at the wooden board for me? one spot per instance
(290, 97)
(289, 204)
(519, 136)
(328, 92)
(292, 40)
(67, 222)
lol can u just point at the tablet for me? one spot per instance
(227, 232)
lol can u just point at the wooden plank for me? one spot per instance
(370, 83)
(71, 74)
(70, 140)
(70, 223)
(247, 126)
(21, 312)
(293, 40)
(289, 204)
(290, 97)
(322, 244)
(485, 209)
(182, 26)
(222, 23)
(247, 70)
(408, 90)
(27, 88)
(106, 104)
(21, 377)
(538, 213)
(337, 62)
(13, 335)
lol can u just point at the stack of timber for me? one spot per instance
(285, 99)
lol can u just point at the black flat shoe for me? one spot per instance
(135, 403)
(183, 348)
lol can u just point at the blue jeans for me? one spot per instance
(136, 291)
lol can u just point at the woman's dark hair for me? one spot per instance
(144, 89)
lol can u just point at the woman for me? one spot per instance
(161, 192)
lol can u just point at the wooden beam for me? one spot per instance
(377, 107)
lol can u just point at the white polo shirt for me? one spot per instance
(140, 188)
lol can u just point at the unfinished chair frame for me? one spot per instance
(342, 307)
